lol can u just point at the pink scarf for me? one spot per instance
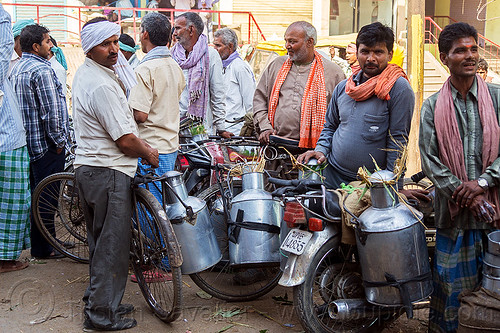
(451, 150)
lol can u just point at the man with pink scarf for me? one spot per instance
(459, 140)
(204, 95)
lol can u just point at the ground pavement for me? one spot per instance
(46, 297)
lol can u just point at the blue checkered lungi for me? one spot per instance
(457, 267)
(15, 203)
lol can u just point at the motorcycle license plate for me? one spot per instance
(296, 241)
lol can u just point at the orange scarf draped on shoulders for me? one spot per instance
(379, 85)
(314, 103)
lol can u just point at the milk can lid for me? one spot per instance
(381, 176)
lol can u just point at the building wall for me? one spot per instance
(442, 8)
(492, 26)
(49, 16)
(466, 11)
(274, 16)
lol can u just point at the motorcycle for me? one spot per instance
(353, 288)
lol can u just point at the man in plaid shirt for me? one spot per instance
(45, 116)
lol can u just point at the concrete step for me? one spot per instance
(434, 74)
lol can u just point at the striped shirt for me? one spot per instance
(12, 135)
(42, 102)
(471, 133)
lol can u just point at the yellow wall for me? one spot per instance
(492, 28)
(442, 8)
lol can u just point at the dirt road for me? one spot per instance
(46, 297)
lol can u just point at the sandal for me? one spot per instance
(152, 276)
(12, 265)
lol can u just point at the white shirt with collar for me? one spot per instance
(240, 87)
(102, 116)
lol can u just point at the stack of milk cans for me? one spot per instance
(491, 267)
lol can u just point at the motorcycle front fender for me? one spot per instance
(297, 265)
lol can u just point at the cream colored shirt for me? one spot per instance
(102, 116)
(287, 116)
(160, 84)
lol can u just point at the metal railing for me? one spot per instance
(250, 30)
(488, 49)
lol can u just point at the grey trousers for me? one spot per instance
(107, 207)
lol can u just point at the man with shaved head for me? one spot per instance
(294, 90)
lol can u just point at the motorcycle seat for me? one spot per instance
(332, 204)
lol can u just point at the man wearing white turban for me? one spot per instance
(105, 162)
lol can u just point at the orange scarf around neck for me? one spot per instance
(314, 103)
(379, 85)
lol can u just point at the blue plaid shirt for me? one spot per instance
(42, 103)
(12, 135)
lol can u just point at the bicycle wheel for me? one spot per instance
(58, 215)
(220, 280)
(153, 242)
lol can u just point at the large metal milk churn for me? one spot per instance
(392, 249)
(255, 224)
(195, 235)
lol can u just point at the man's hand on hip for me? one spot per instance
(264, 136)
(305, 157)
(466, 192)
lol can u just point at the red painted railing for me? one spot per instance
(252, 33)
(488, 49)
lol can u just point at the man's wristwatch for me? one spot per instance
(483, 183)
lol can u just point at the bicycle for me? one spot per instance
(57, 213)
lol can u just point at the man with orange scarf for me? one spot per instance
(369, 115)
(293, 91)
(459, 141)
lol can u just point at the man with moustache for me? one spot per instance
(369, 116)
(459, 136)
(45, 117)
(204, 95)
(293, 91)
(106, 161)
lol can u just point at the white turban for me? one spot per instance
(94, 34)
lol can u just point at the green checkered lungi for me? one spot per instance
(15, 203)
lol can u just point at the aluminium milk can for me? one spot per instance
(255, 224)
(392, 248)
(196, 236)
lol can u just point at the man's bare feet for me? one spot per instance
(12, 265)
